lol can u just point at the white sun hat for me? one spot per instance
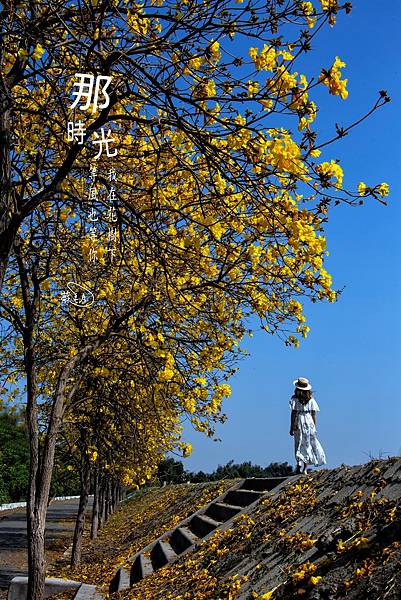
(302, 383)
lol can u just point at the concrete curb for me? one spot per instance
(18, 589)
(12, 505)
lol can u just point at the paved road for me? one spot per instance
(60, 523)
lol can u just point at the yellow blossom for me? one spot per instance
(332, 78)
(38, 52)
(266, 60)
(214, 49)
(362, 188)
(327, 170)
(383, 189)
(253, 88)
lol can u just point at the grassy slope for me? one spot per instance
(333, 535)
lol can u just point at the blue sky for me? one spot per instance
(353, 353)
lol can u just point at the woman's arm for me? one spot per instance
(293, 421)
(313, 413)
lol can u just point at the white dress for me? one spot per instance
(307, 447)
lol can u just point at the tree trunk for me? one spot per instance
(41, 463)
(36, 555)
(80, 521)
(108, 499)
(102, 504)
(95, 507)
(37, 503)
(41, 473)
(113, 496)
(9, 218)
(7, 236)
(36, 511)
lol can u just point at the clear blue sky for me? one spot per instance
(353, 353)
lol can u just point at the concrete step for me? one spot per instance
(161, 554)
(141, 568)
(182, 539)
(220, 511)
(241, 497)
(88, 592)
(202, 525)
(262, 484)
(120, 581)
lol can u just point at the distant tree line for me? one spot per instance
(14, 463)
(173, 471)
(14, 459)
(14, 466)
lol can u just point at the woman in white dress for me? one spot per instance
(308, 450)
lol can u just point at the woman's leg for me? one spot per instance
(298, 461)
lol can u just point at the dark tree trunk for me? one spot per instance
(95, 507)
(113, 496)
(106, 500)
(8, 232)
(102, 503)
(9, 218)
(80, 521)
(36, 554)
(40, 478)
(37, 502)
(109, 500)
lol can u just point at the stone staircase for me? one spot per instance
(192, 531)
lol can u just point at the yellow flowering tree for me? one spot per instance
(216, 209)
(115, 433)
(180, 88)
